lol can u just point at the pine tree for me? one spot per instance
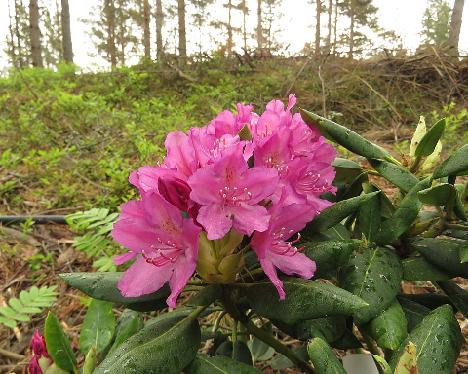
(435, 23)
(270, 24)
(455, 26)
(35, 34)
(159, 24)
(199, 19)
(181, 30)
(67, 46)
(52, 38)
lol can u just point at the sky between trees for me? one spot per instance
(293, 24)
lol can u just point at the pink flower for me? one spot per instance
(229, 194)
(164, 242)
(180, 153)
(272, 248)
(146, 178)
(39, 352)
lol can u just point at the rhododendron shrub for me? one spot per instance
(254, 224)
(260, 175)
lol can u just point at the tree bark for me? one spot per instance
(18, 35)
(330, 16)
(351, 30)
(229, 30)
(182, 35)
(455, 26)
(259, 25)
(110, 18)
(318, 12)
(14, 56)
(244, 25)
(146, 29)
(66, 32)
(335, 21)
(35, 34)
(159, 24)
(121, 29)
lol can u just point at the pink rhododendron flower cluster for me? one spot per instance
(40, 358)
(260, 175)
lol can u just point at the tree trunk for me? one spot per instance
(182, 35)
(18, 35)
(110, 18)
(13, 53)
(335, 21)
(122, 28)
(259, 25)
(244, 30)
(159, 24)
(330, 16)
(318, 12)
(351, 30)
(229, 30)
(35, 34)
(66, 32)
(146, 29)
(455, 26)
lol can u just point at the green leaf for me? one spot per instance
(430, 139)
(414, 312)
(408, 361)
(330, 255)
(369, 216)
(219, 365)
(58, 345)
(346, 170)
(374, 276)
(333, 215)
(397, 175)
(384, 366)
(103, 286)
(30, 301)
(241, 352)
(457, 295)
(461, 194)
(438, 341)
(417, 135)
(403, 217)
(328, 328)
(439, 195)
(323, 358)
(463, 253)
(347, 341)
(90, 361)
(206, 296)
(443, 254)
(282, 362)
(419, 269)
(389, 329)
(345, 137)
(260, 350)
(98, 326)
(164, 346)
(456, 164)
(304, 300)
(129, 323)
(429, 300)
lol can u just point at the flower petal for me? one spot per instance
(215, 220)
(270, 272)
(184, 269)
(250, 218)
(143, 278)
(298, 264)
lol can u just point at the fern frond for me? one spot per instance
(31, 301)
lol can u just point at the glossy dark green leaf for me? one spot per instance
(430, 300)
(323, 358)
(374, 275)
(438, 341)
(347, 341)
(282, 362)
(206, 296)
(390, 328)
(103, 286)
(219, 365)
(328, 328)
(430, 139)
(369, 215)
(129, 323)
(456, 164)
(304, 300)
(403, 217)
(346, 170)
(352, 189)
(414, 312)
(241, 352)
(345, 137)
(439, 195)
(460, 197)
(58, 344)
(337, 212)
(329, 255)
(164, 346)
(444, 254)
(260, 350)
(98, 326)
(463, 253)
(457, 295)
(397, 175)
(417, 268)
